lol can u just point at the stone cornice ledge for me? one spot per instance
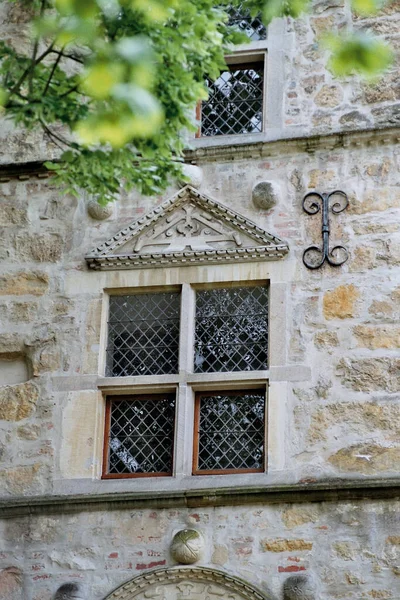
(292, 144)
(272, 146)
(323, 491)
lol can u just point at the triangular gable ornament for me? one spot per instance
(190, 228)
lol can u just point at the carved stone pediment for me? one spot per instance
(186, 583)
(188, 229)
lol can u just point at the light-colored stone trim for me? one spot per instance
(65, 501)
(285, 143)
(160, 577)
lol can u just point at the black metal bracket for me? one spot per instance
(314, 257)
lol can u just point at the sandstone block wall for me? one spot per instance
(350, 549)
(339, 419)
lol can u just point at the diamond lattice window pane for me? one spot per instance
(253, 27)
(235, 102)
(143, 334)
(231, 332)
(231, 431)
(141, 435)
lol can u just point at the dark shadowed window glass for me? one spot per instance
(231, 429)
(141, 434)
(235, 102)
(143, 334)
(253, 27)
(231, 330)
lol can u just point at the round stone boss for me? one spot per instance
(265, 194)
(187, 583)
(187, 546)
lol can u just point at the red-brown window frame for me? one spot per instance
(196, 432)
(117, 398)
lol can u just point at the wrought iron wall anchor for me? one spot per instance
(337, 201)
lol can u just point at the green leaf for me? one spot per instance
(358, 53)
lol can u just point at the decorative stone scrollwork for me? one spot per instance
(188, 229)
(186, 583)
(187, 546)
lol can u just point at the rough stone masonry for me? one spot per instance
(337, 447)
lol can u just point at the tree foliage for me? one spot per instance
(114, 83)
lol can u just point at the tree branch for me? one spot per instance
(74, 57)
(27, 71)
(51, 74)
(53, 136)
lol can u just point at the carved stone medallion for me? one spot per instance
(187, 546)
(186, 583)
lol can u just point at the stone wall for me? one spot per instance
(338, 420)
(342, 323)
(351, 549)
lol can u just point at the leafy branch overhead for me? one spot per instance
(114, 83)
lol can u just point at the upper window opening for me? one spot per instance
(231, 330)
(143, 334)
(242, 20)
(235, 101)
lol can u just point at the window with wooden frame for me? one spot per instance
(229, 432)
(235, 103)
(195, 338)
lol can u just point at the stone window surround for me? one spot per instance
(272, 51)
(186, 383)
(278, 275)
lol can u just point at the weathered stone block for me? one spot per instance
(329, 96)
(285, 545)
(340, 303)
(24, 283)
(377, 337)
(220, 555)
(11, 584)
(326, 339)
(360, 417)
(42, 248)
(11, 215)
(18, 402)
(11, 346)
(297, 516)
(370, 374)
(368, 459)
(20, 479)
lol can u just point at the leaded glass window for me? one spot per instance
(143, 334)
(235, 101)
(140, 435)
(231, 330)
(241, 19)
(229, 432)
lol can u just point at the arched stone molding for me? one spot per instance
(187, 583)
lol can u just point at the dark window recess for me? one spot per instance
(139, 435)
(143, 334)
(231, 330)
(230, 432)
(253, 27)
(235, 102)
